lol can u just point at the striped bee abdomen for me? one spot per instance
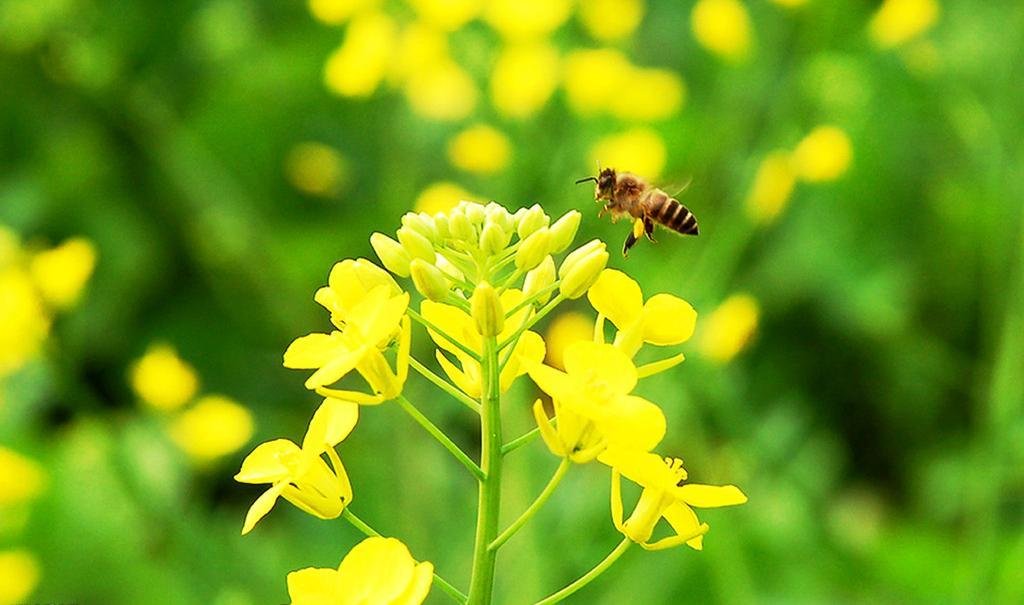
(669, 212)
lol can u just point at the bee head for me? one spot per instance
(606, 182)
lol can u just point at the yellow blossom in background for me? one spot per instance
(448, 15)
(162, 380)
(524, 78)
(527, 18)
(593, 77)
(481, 149)
(648, 94)
(899, 21)
(823, 155)
(564, 330)
(24, 322)
(336, 12)
(214, 427)
(377, 571)
(420, 47)
(722, 27)
(357, 67)
(640, 150)
(19, 575)
(60, 273)
(440, 197)
(21, 479)
(442, 92)
(729, 328)
(611, 20)
(315, 169)
(772, 188)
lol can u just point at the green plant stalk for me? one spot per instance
(443, 384)
(590, 576)
(441, 438)
(542, 499)
(520, 441)
(481, 582)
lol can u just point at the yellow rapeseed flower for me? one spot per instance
(524, 78)
(440, 197)
(443, 91)
(564, 330)
(729, 328)
(19, 575)
(359, 65)
(448, 15)
(772, 187)
(316, 169)
(336, 12)
(823, 155)
(214, 427)
(593, 78)
(377, 571)
(420, 47)
(481, 149)
(300, 475)
(722, 27)
(899, 21)
(24, 321)
(648, 94)
(21, 479)
(162, 380)
(518, 19)
(640, 150)
(611, 20)
(61, 273)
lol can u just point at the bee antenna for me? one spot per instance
(589, 178)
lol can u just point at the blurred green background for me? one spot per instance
(874, 420)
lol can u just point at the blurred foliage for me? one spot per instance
(857, 171)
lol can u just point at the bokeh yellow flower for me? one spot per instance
(420, 46)
(481, 149)
(611, 20)
(440, 197)
(899, 21)
(729, 328)
(516, 19)
(823, 155)
(336, 12)
(593, 78)
(214, 427)
(61, 273)
(377, 571)
(443, 92)
(162, 380)
(316, 169)
(448, 15)
(24, 321)
(19, 575)
(524, 78)
(21, 479)
(639, 150)
(772, 187)
(648, 94)
(357, 67)
(723, 27)
(564, 330)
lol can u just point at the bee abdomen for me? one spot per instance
(670, 213)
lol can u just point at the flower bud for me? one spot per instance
(540, 277)
(475, 213)
(416, 245)
(532, 219)
(441, 225)
(460, 227)
(493, 239)
(533, 249)
(391, 254)
(421, 223)
(496, 213)
(429, 280)
(581, 268)
(485, 307)
(564, 230)
(450, 270)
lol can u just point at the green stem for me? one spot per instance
(533, 508)
(443, 439)
(489, 503)
(364, 527)
(529, 301)
(529, 323)
(430, 326)
(519, 441)
(444, 385)
(588, 577)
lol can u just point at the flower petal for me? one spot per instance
(378, 315)
(618, 297)
(602, 362)
(462, 379)
(529, 351)
(312, 351)
(710, 496)
(668, 320)
(454, 322)
(331, 423)
(261, 507)
(377, 570)
(556, 383)
(417, 590)
(268, 462)
(643, 468)
(336, 367)
(313, 586)
(685, 523)
(634, 422)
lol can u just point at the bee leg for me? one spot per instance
(649, 229)
(631, 240)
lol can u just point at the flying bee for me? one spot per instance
(626, 194)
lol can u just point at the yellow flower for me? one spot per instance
(729, 328)
(899, 21)
(440, 197)
(773, 185)
(21, 479)
(595, 389)
(823, 155)
(300, 475)
(663, 320)
(640, 150)
(443, 91)
(527, 18)
(611, 20)
(19, 575)
(481, 149)
(593, 78)
(647, 95)
(377, 571)
(60, 273)
(162, 380)
(664, 495)
(24, 322)
(448, 15)
(524, 78)
(722, 27)
(420, 47)
(214, 427)
(564, 330)
(460, 326)
(349, 283)
(316, 169)
(336, 12)
(357, 67)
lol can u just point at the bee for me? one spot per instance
(625, 194)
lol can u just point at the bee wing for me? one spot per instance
(678, 188)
